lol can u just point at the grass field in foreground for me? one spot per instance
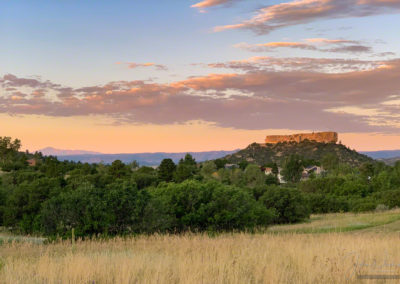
(284, 257)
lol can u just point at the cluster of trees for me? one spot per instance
(346, 188)
(52, 197)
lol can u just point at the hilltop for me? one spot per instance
(262, 154)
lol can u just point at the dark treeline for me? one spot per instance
(41, 195)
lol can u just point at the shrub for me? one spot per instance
(321, 203)
(289, 204)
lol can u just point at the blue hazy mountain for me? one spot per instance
(387, 154)
(144, 159)
(50, 151)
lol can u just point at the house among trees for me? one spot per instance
(311, 170)
(270, 171)
(231, 166)
(31, 162)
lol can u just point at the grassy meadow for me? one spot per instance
(332, 248)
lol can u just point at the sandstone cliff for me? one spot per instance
(321, 137)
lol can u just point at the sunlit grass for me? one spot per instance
(236, 258)
(284, 257)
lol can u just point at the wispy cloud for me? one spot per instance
(259, 98)
(313, 44)
(211, 3)
(297, 12)
(309, 64)
(134, 65)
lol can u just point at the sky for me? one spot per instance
(181, 75)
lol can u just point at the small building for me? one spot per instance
(268, 171)
(231, 166)
(316, 170)
(32, 162)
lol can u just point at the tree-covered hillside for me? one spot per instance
(263, 154)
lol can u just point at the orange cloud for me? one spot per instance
(286, 95)
(304, 11)
(210, 3)
(134, 65)
(337, 45)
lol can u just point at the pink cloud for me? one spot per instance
(134, 65)
(313, 44)
(256, 98)
(297, 12)
(211, 3)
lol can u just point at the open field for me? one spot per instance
(369, 245)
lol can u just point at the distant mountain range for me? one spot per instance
(387, 154)
(389, 157)
(50, 151)
(144, 159)
(153, 159)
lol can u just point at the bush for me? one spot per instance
(390, 198)
(363, 204)
(115, 210)
(289, 204)
(197, 206)
(321, 203)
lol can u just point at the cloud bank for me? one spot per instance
(285, 96)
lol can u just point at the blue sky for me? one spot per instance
(78, 42)
(165, 51)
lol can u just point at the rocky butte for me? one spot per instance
(321, 137)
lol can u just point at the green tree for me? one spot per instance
(207, 169)
(118, 169)
(134, 165)
(186, 169)
(220, 163)
(275, 169)
(254, 176)
(166, 170)
(243, 165)
(292, 168)
(367, 170)
(289, 204)
(7, 146)
(144, 177)
(125, 205)
(330, 162)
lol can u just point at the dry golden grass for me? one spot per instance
(236, 258)
(278, 257)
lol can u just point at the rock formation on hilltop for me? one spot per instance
(321, 137)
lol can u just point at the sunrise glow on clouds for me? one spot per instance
(186, 95)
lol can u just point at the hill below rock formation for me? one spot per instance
(262, 154)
